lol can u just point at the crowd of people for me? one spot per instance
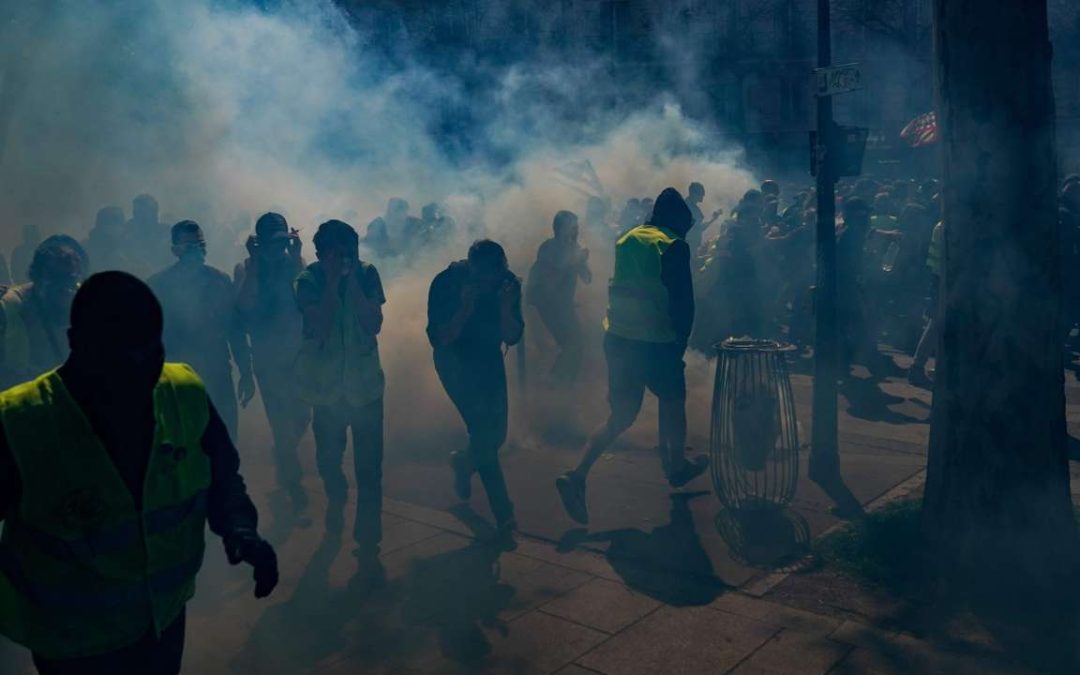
(88, 327)
(145, 351)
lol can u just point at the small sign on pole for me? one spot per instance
(837, 79)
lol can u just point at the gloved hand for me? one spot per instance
(249, 547)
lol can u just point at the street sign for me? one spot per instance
(837, 79)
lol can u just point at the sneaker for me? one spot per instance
(572, 492)
(462, 476)
(691, 469)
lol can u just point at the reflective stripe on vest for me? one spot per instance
(119, 537)
(68, 597)
(82, 570)
(638, 307)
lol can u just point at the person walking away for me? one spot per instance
(560, 262)
(928, 342)
(274, 327)
(111, 466)
(856, 343)
(202, 325)
(339, 374)
(23, 254)
(34, 315)
(474, 309)
(649, 319)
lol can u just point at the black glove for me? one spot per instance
(246, 546)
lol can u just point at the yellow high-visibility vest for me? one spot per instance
(638, 307)
(82, 570)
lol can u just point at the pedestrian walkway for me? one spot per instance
(453, 604)
(650, 587)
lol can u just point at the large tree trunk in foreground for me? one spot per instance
(997, 493)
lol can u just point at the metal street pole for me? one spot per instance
(824, 451)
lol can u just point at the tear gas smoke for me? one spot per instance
(224, 110)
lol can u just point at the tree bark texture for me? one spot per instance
(998, 478)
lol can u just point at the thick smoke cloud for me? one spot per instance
(224, 110)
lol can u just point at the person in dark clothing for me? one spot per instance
(560, 262)
(202, 324)
(695, 194)
(144, 238)
(117, 380)
(855, 340)
(105, 243)
(270, 318)
(474, 308)
(339, 373)
(649, 319)
(395, 233)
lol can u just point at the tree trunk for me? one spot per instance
(997, 493)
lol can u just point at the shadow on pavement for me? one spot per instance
(667, 563)
(766, 538)
(867, 401)
(283, 518)
(457, 594)
(311, 625)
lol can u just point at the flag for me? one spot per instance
(923, 130)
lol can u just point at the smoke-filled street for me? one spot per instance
(504, 336)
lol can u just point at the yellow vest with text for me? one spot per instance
(638, 307)
(82, 570)
(343, 368)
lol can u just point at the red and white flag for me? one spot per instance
(923, 130)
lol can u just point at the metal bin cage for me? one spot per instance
(754, 442)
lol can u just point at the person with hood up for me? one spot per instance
(649, 318)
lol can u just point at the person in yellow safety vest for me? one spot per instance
(649, 318)
(917, 373)
(111, 466)
(34, 315)
(339, 374)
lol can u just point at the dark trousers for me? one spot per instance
(330, 425)
(157, 655)
(562, 322)
(288, 418)
(476, 383)
(219, 386)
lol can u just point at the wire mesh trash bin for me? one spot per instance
(754, 442)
